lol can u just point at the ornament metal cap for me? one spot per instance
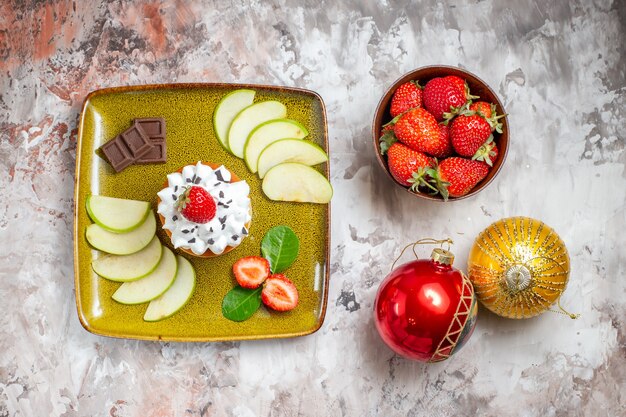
(442, 256)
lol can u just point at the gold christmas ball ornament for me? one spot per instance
(519, 267)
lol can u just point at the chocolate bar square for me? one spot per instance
(137, 141)
(118, 155)
(156, 155)
(154, 127)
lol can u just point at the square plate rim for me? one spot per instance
(151, 87)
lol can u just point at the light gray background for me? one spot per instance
(558, 66)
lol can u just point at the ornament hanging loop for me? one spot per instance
(426, 241)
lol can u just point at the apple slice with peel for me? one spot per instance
(122, 243)
(226, 110)
(151, 286)
(296, 182)
(117, 214)
(266, 133)
(172, 300)
(290, 150)
(124, 268)
(248, 119)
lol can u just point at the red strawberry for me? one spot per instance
(406, 97)
(488, 111)
(279, 293)
(468, 132)
(409, 167)
(196, 205)
(458, 83)
(441, 96)
(455, 177)
(461, 85)
(419, 130)
(251, 271)
(487, 153)
(444, 130)
(481, 107)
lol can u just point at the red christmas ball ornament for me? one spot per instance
(426, 309)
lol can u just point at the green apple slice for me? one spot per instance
(296, 182)
(248, 119)
(117, 214)
(151, 286)
(226, 110)
(124, 268)
(172, 300)
(122, 243)
(266, 133)
(290, 150)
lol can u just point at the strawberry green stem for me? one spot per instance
(418, 179)
(440, 184)
(386, 140)
(485, 153)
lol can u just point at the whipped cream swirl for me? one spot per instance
(232, 202)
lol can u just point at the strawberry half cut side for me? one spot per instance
(279, 293)
(251, 271)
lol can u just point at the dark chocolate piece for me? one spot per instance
(244, 231)
(136, 141)
(118, 155)
(156, 155)
(154, 127)
(142, 143)
(219, 176)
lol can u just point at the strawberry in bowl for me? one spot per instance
(444, 141)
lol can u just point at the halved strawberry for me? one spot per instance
(279, 293)
(251, 271)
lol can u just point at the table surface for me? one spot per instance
(558, 68)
